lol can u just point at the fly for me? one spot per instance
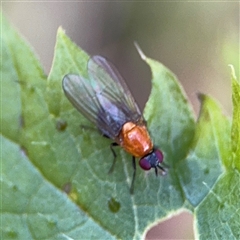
(105, 100)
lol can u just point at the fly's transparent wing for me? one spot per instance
(81, 94)
(113, 85)
(103, 98)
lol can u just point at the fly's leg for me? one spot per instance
(87, 127)
(134, 174)
(111, 146)
(114, 156)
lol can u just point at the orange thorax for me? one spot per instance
(135, 139)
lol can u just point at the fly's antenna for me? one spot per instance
(163, 170)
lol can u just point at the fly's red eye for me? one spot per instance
(145, 164)
(159, 155)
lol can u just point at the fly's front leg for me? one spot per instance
(114, 156)
(134, 174)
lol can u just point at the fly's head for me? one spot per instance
(153, 160)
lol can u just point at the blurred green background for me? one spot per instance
(196, 40)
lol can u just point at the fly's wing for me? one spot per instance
(113, 86)
(104, 98)
(81, 94)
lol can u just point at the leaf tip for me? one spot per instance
(142, 55)
(233, 74)
(60, 30)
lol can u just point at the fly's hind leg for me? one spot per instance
(114, 156)
(134, 174)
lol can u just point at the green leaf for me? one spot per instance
(168, 113)
(55, 183)
(21, 70)
(236, 121)
(200, 170)
(68, 58)
(217, 217)
(91, 156)
(34, 208)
